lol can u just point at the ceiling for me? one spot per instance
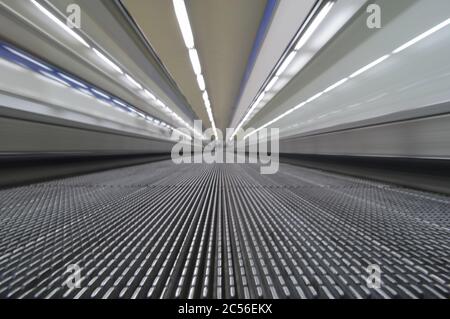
(224, 32)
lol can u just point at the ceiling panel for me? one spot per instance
(224, 34)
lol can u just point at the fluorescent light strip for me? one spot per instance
(100, 93)
(195, 61)
(149, 94)
(271, 84)
(422, 36)
(120, 103)
(304, 38)
(188, 37)
(315, 97)
(160, 104)
(133, 82)
(314, 25)
(286, 63)
(185, 27)
(205, 96)
(260, 98)
(201, 82)
(140, 114)
(130, 79)
(183, 21)
(299, 106)
(131, 110)
(330, 88)
(369, 66)
(337, 84)
(107, 61)
(70, 79)
(23, 56)
(360, 71)
(60, 23)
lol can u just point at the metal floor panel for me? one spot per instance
(161, 230)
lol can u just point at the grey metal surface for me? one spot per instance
(43, 134)
(221, 231)
(427, 137)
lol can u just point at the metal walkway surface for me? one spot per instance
(161, 230)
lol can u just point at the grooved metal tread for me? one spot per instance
(161, 230)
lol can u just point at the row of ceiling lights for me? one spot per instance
(357, 73)
(285, 63)
(144, 91)
(25, 60)
(188, 37)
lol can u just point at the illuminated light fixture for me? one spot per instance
(101, 94)
(132, 110)
(369, 66)
(360, 71)
(288, 60)
(355, 74)
(201, 82)
(195, 61)
(314, 25)
(205, 96)
(107, 61)
(160, 104)
(54, 78)
(337, 84)
(140, 114)
(70, 79)
(60, 23)
(299, 106)
(183, 21)
(133, 82)
(23, 56)
(422, 36)
(119, 103)
(149, 94)
(271, 84)
(286, 63)
(260, 98)
(188, 37)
